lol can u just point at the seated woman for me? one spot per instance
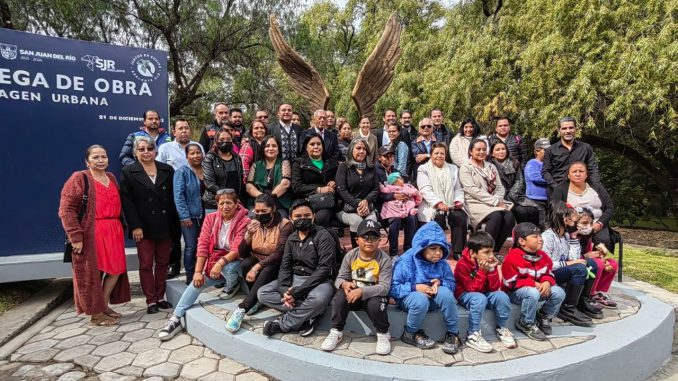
(562, 245)
(271, 175)
(222, 170)
(261, 251)
(443, 197)
(313, 174)
(250, 151)
(485, 195)
(364, 131)
(577, 191)
(218, 257)
(459, 146)
(358, 187)
(511, 175)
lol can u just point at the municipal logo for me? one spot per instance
(146, 68)
(8, 51)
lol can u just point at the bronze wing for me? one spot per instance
(377, 74)
(303, 77)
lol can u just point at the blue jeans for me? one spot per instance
(231, 273)
(417, 304)
(476, 302)
(529, 298)
(190, 247)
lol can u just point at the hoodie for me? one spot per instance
(471, 278)
(412, 269)
(522, 269)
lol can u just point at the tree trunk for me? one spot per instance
(6, 15)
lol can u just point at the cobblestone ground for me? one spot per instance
(70, 349)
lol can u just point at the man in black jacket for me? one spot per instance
(304, 286)
(287, 132)
(210, 131)
(514, 143)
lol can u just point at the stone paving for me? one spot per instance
(70, 349)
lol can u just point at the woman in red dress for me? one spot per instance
(99, 268)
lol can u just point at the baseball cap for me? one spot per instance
(393, 177)
(542, 143)
(524, 229)
(385, 150)
(368, 226)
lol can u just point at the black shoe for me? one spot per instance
(271, 327)
(590, 308)
(570, 313)
(152, 309)
(530, 330)
(543, 322)
(452, 343)
(418, 339)
(307, 328)
(165, 305)
(172, 272)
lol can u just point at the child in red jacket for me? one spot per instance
(528, 280)
(478, 287)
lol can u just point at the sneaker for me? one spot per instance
(476, 341)
(254, 309)
(307, 328)
(418, 339)
(530, 330)
(228, 294)
(452, 343)
(271, 327)
(383, 343)
(506, 337)
(171, 328)
(332, 340)
(544, 323)
(234, 321)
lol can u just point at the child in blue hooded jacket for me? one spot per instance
(422, 282)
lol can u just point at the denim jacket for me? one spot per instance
(187, 197)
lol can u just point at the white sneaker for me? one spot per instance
(332, 340)
(477, 342)
(506, 337)
(383, 343)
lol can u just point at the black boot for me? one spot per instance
(587, 305)
(354, 243)
(568, 310)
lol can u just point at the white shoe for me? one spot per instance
(506, 337)
(332, 340)
(477, 342)
(383, 343)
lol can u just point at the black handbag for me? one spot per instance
(321, 201)
(68, 246)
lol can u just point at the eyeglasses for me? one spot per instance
(425, 126)
(226, 191)
(144, 149)
(370, 237)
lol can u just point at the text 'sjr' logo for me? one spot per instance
(8, 51)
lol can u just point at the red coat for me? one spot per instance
(519, 272)
(209, 235)
(470, 278)
(87, 291)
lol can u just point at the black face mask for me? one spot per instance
(302, 224)
(225, 147)
(571, 229)
(264, 219)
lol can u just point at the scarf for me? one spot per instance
(441, 182)
(488, 175)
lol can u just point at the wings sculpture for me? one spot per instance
(373, 80)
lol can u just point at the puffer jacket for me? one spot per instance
(126, 153)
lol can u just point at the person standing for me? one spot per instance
(150, 129)
(208, 133)
(97, 239)
(535, 185)
(222, 169)
(330, 141)
(514, 143)
(287, 132)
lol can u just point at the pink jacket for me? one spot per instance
(399, 209)
(209, 235)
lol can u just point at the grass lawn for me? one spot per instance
(11, 294)
(657, 267)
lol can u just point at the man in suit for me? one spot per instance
(287, 132)
(318, 125)
(381, 133)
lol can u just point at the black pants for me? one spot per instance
(175, 254)
(375, 307)
(410, 227)
(266, 275)
(525, 214)
(457, 221)
(499, 225)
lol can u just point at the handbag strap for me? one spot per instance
(85, 198)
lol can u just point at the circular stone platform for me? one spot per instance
(638, 334)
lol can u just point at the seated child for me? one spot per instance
(478, 287)
(398, 208)
(607, 267)
(422, 282)
(528, 280)
(363, 282)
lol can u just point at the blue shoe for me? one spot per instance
(234, 321)
(254, 309)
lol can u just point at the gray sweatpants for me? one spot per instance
(314, 305)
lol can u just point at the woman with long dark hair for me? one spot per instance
(250, 151)
(271, 175)
(469, 130)
(223, 169)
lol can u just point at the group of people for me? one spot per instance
(260, 209)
